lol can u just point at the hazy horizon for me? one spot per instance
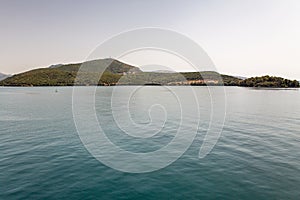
(243, 38)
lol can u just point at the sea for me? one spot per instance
(250, 137)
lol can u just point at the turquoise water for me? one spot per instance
(256, 157)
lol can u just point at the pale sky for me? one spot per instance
(246, 38)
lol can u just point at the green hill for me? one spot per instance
(64, 75)
(118, 73)
(183, 78)
(269, 81)
(110, 65)
(115, 73)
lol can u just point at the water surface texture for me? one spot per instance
(256, 157)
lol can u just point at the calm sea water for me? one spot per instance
(256, 157)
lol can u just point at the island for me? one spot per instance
(269, 81)
(115, 72)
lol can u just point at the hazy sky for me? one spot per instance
(249, 37)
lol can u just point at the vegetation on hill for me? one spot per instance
(50, 77)
(269, 81)
(109, 65)
(118, 73)
(115, 73)
(185, 78)
(58, 77)
(86, 73)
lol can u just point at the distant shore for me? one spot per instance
(116, 73)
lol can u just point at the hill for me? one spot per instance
(182, 78)
(110, 65)
(64, 75)
(117, 73)
(3, 76)
(269, 81)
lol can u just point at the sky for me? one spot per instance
(245, 38)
